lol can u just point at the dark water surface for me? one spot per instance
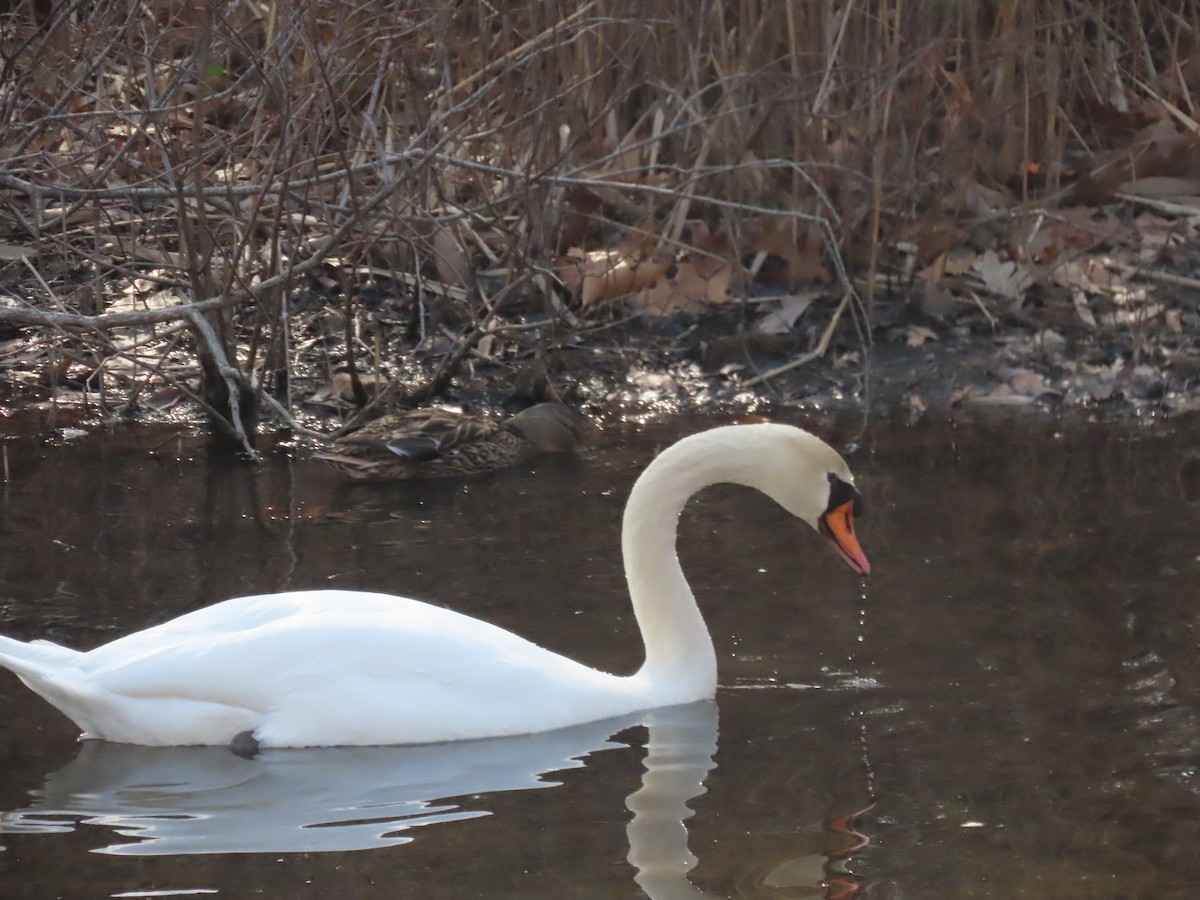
(1012, 711)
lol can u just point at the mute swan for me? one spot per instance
(330, 667)
(439, 443)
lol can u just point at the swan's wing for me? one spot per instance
(256, 645)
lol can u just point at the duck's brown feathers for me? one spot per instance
(439, 443)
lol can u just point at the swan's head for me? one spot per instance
(810, 480)
(799, 471)
(836, 524)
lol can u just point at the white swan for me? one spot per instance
(324, 668)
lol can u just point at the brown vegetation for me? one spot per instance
(194, 192)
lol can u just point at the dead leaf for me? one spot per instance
(932, 238)
(1158, 234)
(715, 245)
(692, 285)
(935, 271)
(341, 387)
(603, 275)
(959, 262)
(1004, 278)
(1072, 229)
(916, 335)
(798, 248)
(791, 308)
(451, 259)
(1000, 395)
(1090, 274)
(1162, 187)
(1028, 383)
(12, 251)
(166, 398)
(156, 256)
(933, 299)
(1083, 310)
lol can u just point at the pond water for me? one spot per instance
(1008, 709)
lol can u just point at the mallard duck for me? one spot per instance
(436, 443)
(330, 667)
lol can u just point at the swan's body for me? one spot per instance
(313, 668)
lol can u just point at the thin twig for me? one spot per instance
(816, 352)
(289, 419)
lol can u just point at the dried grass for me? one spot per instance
(226, 151)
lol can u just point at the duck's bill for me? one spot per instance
(837, 525)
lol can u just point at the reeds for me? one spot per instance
(229, 150)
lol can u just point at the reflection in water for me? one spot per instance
(183, 800)
(196, 800)
(1033, 718)
(679, 756)
(179, 801)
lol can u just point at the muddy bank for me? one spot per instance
(641, 373)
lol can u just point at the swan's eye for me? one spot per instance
(841, 493)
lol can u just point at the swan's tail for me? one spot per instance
(36, 659)
(51, 672)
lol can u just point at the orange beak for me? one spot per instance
(837, 525)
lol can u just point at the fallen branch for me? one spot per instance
(1162, 277)
(10, 315)
(233, 377)
(30, 316)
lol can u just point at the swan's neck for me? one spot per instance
(681, 664)
(789, 465)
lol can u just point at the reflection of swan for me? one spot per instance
(679, 754)
(206, 800)
(339, 667)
